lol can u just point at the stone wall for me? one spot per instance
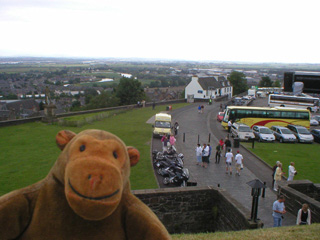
(36, 119)
(196, 209)
(296, 193)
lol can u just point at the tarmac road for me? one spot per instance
(194, 127)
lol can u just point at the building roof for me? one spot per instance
(213, 82)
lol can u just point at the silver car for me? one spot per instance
(302, 133)
(283, 134)
(263, 134)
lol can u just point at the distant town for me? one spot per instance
(72, 84)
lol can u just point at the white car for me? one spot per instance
(263, 134)
(241, 131)
(313, 122)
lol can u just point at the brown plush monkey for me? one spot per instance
(86, 195)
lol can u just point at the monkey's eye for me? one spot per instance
(82, 148)
(115, 154)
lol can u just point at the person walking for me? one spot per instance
(229, 159)
(176, 128)
(199, 109)
(277, 176)
(227, 144)
(199, 154)
(172, 140)
(291, 171)
(229, 126)
(239, 161)
(273, 172)
(202, 108)
(221, 142)
(278, 211)
(164, 141)
(304, 215)
(218, 153)
(221, 108)
(210, 150)
(205, 154)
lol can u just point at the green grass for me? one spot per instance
(29, 151)
(305, 157)
(283, 233)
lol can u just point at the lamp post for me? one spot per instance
(256, 186)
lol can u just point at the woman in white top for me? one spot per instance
(304, 215)
(199, 154)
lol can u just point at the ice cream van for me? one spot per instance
(162, 124)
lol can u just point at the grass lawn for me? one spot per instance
(28, 151)
(305, 157)
(283, 233)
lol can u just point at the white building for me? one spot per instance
(208, 87)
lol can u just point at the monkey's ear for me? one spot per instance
(63, 137)
(134, 155)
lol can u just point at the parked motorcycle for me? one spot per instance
(177, 178)
(174, 166)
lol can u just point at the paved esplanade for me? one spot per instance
(193, 124)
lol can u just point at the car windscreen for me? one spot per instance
(286, 131)
(265, 131)
(244, 129)
(162, 124)
(303, 131)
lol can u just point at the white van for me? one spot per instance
(162, 124)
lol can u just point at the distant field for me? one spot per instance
(28, 151)
(305, 156)
(282, 233)
(20, 68)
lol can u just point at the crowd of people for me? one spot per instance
(203, 154)
(169, 140)
(278, 209)
(278, 173)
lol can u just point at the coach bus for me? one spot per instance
(304, 101)
(266, 116)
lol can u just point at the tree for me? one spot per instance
(265, 82)
(239, 82)
(277, 83)
(11, 96)
(89, 94)
(129, 91)
(103, 100)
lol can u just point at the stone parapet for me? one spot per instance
(196, 209)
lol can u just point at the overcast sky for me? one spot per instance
(218, 30)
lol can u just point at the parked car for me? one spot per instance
(316, 135)
(314, 122)
(316, 117)
(283, 134)
(263, 134)
(242, 131)
(302, 133)
(220, 116)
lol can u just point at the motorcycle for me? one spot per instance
(174, 166)
(178, 178)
